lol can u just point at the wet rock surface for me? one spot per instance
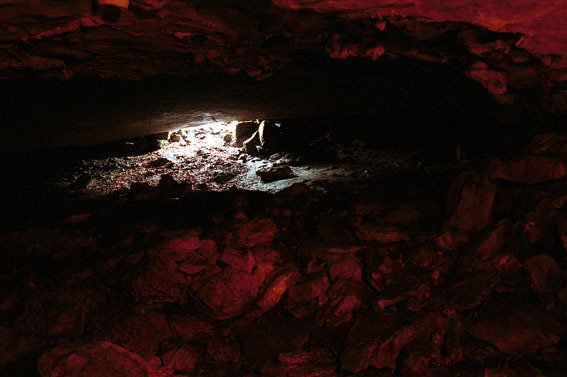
(460, 271)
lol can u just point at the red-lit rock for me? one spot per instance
(150, 5)
(494, 81)
(550, 144)
(469, 293)
(529, 170)
(306, 297)
(58, 313)
(181, 360)
(17, 345)
(270, 335)
(561, 226)
(238, 260)
(317, 362)
(377, 340)
(276, 289)
(346, 269)
(141, 333)
(417, 356)
(541, 22)
(303, 357)
(95, 359)
(345, 296)
(159, 280)
(381, 234)
(387, 272)
(308, 290)
(256, 231)
(469, 209)
(313, 370)
(189, 328)
(494, 241)
(273, 369)
(226, 294)
(191, 253)
(525, 326)
(222, 351)
(401, 214)
(545, 278)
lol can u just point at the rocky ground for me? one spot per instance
(198, 259)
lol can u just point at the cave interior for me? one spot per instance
(285, 188)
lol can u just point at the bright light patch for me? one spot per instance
(205, 135)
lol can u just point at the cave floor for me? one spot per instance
(201, 160)
(370, 262)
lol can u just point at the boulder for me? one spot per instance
(243, 129)
(251, 144)
(270, 134)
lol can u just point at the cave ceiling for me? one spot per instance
(513, 49)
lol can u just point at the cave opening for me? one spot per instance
(282, 189)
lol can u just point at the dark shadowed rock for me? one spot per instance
(275, 174)
(251, 144)
(529, 170)
(545, 278)
(274, 292)
(58, 313)
(227, 294)
(265, 338)
(93, 360)
(469, 209)
(377, 340)
(516, 323)
(142, 333)
(304, 298)
(243, 129)
(17, 345)
(181, 360)
(158, 279)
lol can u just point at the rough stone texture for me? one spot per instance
(242, 283)
(521, 328)
(507, 47)
(97, 359)
(470, 206)
(226, 294)
(534, 169)
(543, 24)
